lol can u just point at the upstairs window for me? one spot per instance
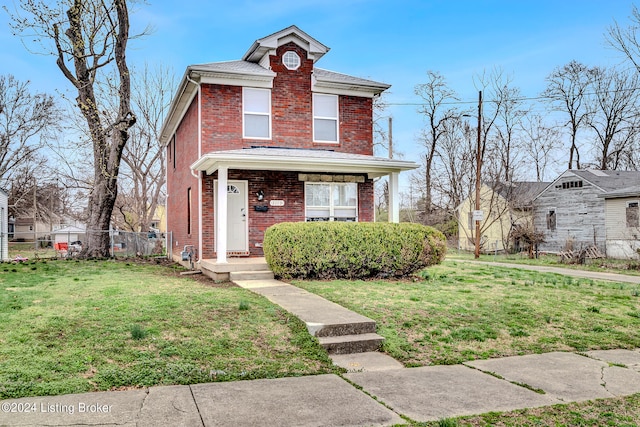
(325, 118)
(291, 60)
(256, 117)
(633, 215)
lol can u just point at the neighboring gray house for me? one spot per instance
(622, 222)
(571, 210)
(4, 225)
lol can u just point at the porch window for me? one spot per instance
(331, 201)
(256, 107)
(325, 118)
(633, 217)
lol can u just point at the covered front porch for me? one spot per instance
(318, 166)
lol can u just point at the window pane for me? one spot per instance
(325, 130)
(345, 195)
(256, 101)
(317, 195)
(256, 126)
(325, 106)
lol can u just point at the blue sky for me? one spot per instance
(395, 42)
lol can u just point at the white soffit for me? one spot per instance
(301, 161)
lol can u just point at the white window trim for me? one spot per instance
(332, 207)
(337, 119)
(245, 112)
(290, 52)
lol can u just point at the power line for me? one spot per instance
(519, 99)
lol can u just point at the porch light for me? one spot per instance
(260, 195)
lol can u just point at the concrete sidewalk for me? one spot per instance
(416, 394)
(585, 274)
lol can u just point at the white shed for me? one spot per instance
(68, 234)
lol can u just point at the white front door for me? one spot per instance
(237, 230)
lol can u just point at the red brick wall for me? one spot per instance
(221, 118)
(292, 126)
(292, 113)
(276, 186)
(180, 179)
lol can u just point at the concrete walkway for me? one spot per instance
(386, 397)
(595, 275)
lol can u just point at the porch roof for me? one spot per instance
(301, 160)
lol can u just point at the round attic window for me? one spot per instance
(291, 60)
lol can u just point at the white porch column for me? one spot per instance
(394, 197)
(221, 214)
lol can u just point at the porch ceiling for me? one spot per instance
(299, 160)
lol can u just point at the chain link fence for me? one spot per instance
(123, 244)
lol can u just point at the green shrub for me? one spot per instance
(330, 250)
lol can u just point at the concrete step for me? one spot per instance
(251, 275)
(343, 328)
(348, 344)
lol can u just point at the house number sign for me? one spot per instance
(276, 202)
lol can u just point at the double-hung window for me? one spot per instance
(256, 109)
(331, 201)
(325, 118)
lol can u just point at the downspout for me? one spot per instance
(197, 175)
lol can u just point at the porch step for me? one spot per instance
(349, 344)
(341, 329)
(251, 275)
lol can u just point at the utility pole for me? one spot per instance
(478, 175)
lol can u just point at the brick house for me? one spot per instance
(267, 139)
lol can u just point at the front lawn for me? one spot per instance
(77, 326)
(463, 311)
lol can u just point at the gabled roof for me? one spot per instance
(327, 80)
(267, 45)
(633, 191)
(608, 180)
(234, 67)
(521, 194)
(603, 180)
(253, 71)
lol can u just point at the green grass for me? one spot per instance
(631, 267)
(70, 327)
(619, 412)
(463, 311)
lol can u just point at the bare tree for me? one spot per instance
(26, 121)
(143, 156)
(454, 167)
(508, 144)
(435, 94)
(613, 119)
(626, 39)
(90, 40)
(567, 88)
(541, 142)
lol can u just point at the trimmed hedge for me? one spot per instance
(351, 250)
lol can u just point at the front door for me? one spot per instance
(237, 241)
